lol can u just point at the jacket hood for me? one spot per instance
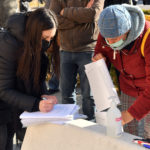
(137, 24)
(16, 25)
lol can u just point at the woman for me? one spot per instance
(122, 30)
(23, 68)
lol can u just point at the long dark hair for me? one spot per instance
(29, 65)
(53, 51)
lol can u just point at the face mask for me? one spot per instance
(45, 45)
(116, 44)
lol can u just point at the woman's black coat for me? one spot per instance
(15, 94)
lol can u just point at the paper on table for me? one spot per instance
(59, 111)
(28, 122)
(101, 84)
(33, 121)
(61, 114)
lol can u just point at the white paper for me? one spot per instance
(101, 84)
(59, 111)
(61, 114)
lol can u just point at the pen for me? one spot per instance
(141, 142)
(44, 98)
(146, 146)
(138, 142)
(144, 140)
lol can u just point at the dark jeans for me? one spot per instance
(146, 2)
(71, 64)
(6, 137)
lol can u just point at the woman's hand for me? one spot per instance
(126, 117)
(48, 104)
(97, 57)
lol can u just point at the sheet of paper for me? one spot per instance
(59, 111)
(101, 84)
(27, 122)
(61, 114)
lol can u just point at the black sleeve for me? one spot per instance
(8, 91)
(36, 105)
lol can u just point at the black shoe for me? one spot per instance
(51, 91)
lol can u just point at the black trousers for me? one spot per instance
(146, 2)
(6, 136)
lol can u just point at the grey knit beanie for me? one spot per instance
(114, 21)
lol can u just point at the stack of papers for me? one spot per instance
(61, 114)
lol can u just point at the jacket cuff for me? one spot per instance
(140, 107)
(36, 105)
(135, 114)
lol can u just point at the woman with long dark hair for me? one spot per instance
(24, 63)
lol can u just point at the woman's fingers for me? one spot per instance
(46, 105)
(126, 117)
(53, 99)
(97, 57)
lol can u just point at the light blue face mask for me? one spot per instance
(116, 44)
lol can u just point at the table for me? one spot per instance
(77, 135)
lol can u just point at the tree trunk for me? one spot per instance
(7, 8)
